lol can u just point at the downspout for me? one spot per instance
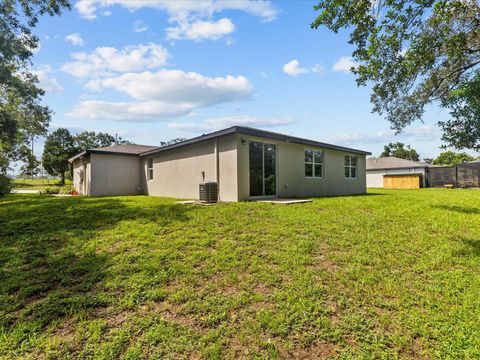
(217, 168)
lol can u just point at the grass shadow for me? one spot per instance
(47, 271)
(471, 248)
(459, 209)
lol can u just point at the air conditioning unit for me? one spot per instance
(208, 192)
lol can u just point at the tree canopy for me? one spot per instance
(414, 53)
(399, 150)
(22, 116)
(452, 158)
(59, 147)
(90, 139)
(172, 142)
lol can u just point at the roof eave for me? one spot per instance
(79, 155)
(257, 133)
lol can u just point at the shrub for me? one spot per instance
(67, 189)
(50, 190)
(5, 184)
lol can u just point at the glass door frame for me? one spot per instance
(259, 197)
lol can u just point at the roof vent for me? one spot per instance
(208, 192)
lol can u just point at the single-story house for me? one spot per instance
(245, 163)
(396, 173)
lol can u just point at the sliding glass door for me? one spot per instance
(263, 179)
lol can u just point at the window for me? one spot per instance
(313, 163)
(350, 167)
(150, 169)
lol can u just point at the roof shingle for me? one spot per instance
(392, 162)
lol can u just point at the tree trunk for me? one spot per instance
(62, 178)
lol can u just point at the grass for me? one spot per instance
(392, 274)
(36, 184)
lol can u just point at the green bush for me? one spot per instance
(50, 190)
(67, 189)
(5, 184)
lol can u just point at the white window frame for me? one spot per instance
(313, 163)
(149, 169)
(349, 166)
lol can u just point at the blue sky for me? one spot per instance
(156, 70)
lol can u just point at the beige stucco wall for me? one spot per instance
(291, 180)
(82, 164)
(177, 172)
(114, 175)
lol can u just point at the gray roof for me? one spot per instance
(258, 133)
(144, 150)
(123, 149)
(126, 148)
(392, 162)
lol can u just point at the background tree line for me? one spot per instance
(402, 151)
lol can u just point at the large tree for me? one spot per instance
(21, 114)
(452, 158)
(414, 53)
(31, 166)
(59, 147)
(401, 151)
(90, 140)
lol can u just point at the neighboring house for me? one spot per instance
(393, 172)
(246, 164)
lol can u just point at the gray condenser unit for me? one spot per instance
(209, 192)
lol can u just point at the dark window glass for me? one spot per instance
(269, 171)
(256, 168)
(353, 172)
(308, 170)
(347, 172)
(318, 171)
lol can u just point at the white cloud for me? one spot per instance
(139, 27)
(186, 8)
(426, 132)
(199, 30)
(147, 111)
(192, 18)
(218, 123)
(74, 39)
(162, 94)
(105, 61)
(344, 64)
(293, 68)
(177, 86)
(46, 81)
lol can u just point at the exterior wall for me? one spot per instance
(402, 181)
(177, 172)
(375, 177)
(228, 188)
(114, 175)
(290, 165)
(82, 166)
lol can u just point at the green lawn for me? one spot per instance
(392, 274)
(29, 184)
